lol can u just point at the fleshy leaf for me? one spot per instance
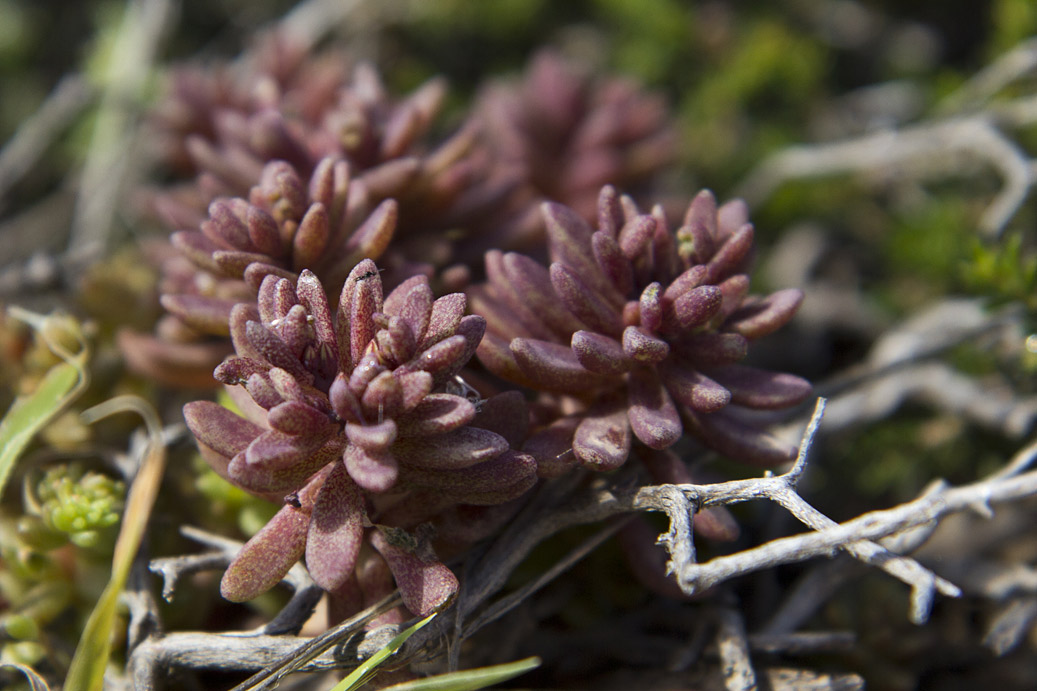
(653, 417)
(424, 586)
(599, 353)
(336, 530)
(436, 414)
(460, 448)
(602, 441)
(759, 388)
(553, 366)
(222, 430)
(375, 471)
(267, 557)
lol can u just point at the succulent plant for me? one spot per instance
(82, 505)
(291, 153)
(559, 134)
(347, 413)
(645, 326)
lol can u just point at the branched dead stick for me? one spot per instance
(976, 136)
(693, 577)
(870, 526)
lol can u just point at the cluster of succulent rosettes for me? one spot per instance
(288, 223)
(644, 324)
(346, 411)
(562, 133)
(230, 131)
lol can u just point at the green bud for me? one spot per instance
(23, 652)
(20, 627)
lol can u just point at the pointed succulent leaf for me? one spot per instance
(697, 306)
(442, 356)
(738, 440)
(383, 397)
(553, 366)
(274, 449)
(691, 278)
(265, 481)
(263, 232)
(713, 348)
(197, 248)
(459, 448)
(767, 315)
(267, 557)
(394, 301)
(584, 303)
(416, 308)
(297, 418)
(436, 414)
(414, 385)
(374, 437)
(602, 441)
(257, 271)
(206, 314)
(374, 235)
(652, 414)
(600, 354)
(222, 430)
(635, 236)
(271, 348)
(758, 388)
(375, 471)
(694, 389)
(730, 257)
(610, 212)
(237, 370)
(336, 530)
(640, 345)
(424, 586)
(446, 315)
(311, 238)
(343, 401)
(505, 470)
(570, 243)
(262, 390)
(651, 307)
(609, 257)
(528, 279)
(495, 355)
(312, 296)
(366, 301)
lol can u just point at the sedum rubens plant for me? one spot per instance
(347, 413)
(645, 325)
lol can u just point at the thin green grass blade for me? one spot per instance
(359, 676)
(60, 386)
(91, 658)
(470, 679)
(36, 682)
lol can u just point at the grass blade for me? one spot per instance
(60, 386)
(470, 679)
(91, 658)
(359, 676)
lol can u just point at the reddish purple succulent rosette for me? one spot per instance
(349, 412)
(646, 326)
